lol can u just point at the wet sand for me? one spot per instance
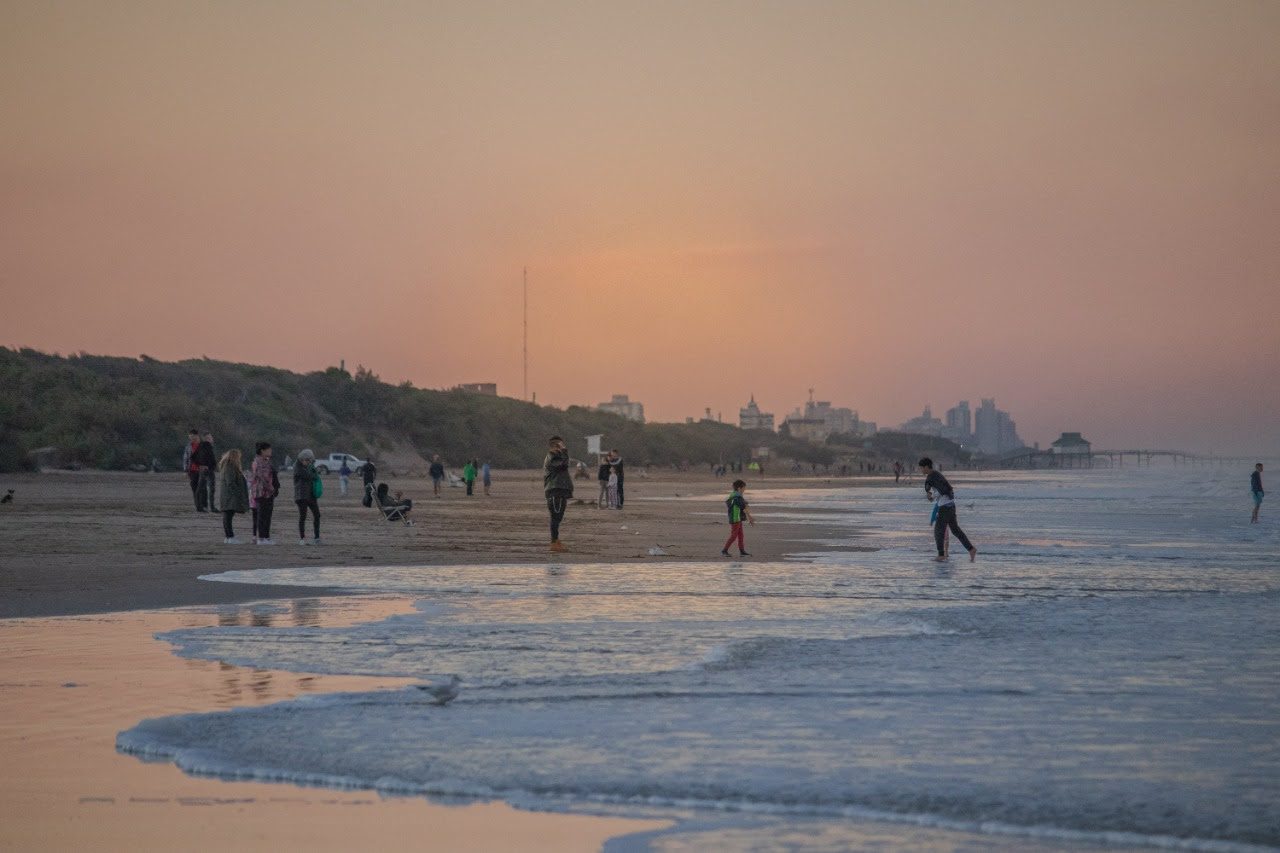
(69, 685)
(125, 545)
(96, 542)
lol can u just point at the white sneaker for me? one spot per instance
(313, 541)
(302, 542)
(266, 541)
(232, 541)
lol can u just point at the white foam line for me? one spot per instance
(200, 763)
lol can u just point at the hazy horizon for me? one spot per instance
(1072, 209)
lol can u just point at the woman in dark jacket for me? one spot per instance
(233, 492)
(305, 485)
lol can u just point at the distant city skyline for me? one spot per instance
(1071, 207)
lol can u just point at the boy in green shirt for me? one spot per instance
(738, 510)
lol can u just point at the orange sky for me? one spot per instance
(1072, 207)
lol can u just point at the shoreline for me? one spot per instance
(71, 684)
(77, 543)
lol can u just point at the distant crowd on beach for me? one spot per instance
(221, 485)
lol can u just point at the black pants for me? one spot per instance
(619, 493)
(556, 505)
(205, 491)
(303, 506)
(194, 477)
(947, 518)
(262, 517)
(227, 515)
(471, 484)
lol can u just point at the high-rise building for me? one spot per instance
(993, 430)
(960, 422)
(750, 417)
(623, 405)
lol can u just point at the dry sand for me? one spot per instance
(93, 542)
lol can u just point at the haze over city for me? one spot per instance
(1072, 208)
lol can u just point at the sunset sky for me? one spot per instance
(1073, 207)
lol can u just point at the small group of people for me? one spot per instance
(221, 485)
(470, 471)
(611, 477)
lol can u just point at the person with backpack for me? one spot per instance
(738, 510)
(233, 492)
(264, 485)
(307, 489)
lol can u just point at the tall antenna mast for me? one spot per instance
(525, 393)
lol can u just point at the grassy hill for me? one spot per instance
(109, 412)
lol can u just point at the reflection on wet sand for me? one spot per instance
(69, 685)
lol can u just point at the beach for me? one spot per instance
(837, 690)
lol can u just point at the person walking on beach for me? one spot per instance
(189, 464)
(207, 464)
(611, 488)
(1255, 486)
(368, 475)
(208, 459)
(307, 489)
(603, 476)
(264, 485)
(486, 477)
(615, 460)
(897, 470)
(557, 483)
(469, 476)
(344, 476)
(437, 473)
(233, 492)
(738, 510)
(946, 505)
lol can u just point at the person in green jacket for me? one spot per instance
(233, 492)
(469, 475)
(557, 483)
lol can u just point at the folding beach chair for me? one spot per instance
(391, 511)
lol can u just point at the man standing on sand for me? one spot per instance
(437, 473)
(207, 463)
(189, 464)
(946, 504)
(615, 460)
(1255, 486)
(558, 485)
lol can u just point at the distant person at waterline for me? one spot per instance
(557, 483)
(233, 492)
(946, 505)
(738, 510)
(1255, 486)
(307, 489)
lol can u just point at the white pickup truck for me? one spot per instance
(333, 462)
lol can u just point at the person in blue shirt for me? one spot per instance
(738, 511)
(486, 476)
(1255, 486)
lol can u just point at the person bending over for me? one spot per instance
(946, 503)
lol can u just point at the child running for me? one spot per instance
(738, 510)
